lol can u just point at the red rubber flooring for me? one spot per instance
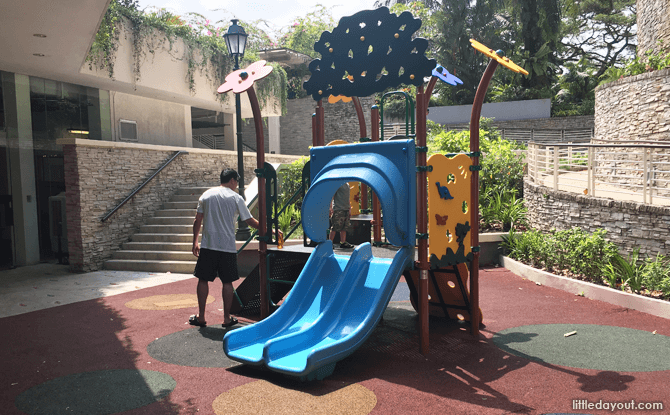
(462, 374)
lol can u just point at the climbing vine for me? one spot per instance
(204, 46)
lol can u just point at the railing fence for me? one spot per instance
(636, 172)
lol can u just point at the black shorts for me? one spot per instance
(211, 262)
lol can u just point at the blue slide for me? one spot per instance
(337, 300)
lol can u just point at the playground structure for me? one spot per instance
(337, 301)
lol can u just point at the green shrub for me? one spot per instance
(501, 209)
(575, 250)
(656, 274)
(290, 179)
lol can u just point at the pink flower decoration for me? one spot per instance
(242, 79)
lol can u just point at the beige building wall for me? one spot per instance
(158, 122)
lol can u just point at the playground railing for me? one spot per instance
(631, 172)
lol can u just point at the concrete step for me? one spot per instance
(158, 246)
(180, 267)
(192, 190)
(162, 229)
(180, 205)
(185, 198)
(175, 212)
(169, 238)
(155, 255)
(167, 220)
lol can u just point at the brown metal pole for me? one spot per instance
(320, 120)
(314, 128)
(474, 190)
(363, 133)
(262, 214)
(429, 89)
(422, 220)
(376, 211)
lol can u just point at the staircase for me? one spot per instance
(164, 243)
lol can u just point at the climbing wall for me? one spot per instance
(449, 210)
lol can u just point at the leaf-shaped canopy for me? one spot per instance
(367, 53)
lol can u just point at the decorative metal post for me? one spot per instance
(236, 40)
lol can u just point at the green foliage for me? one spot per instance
(205, 48)
(637, 273)
(601, 32)
(306, 31)
(502, 168)
(289, 219)
(576, 95)
(501, 209)
(290, 179)
(584, 253)
(656, 274)
(573, 250)
(653, 61)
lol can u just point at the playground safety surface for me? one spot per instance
(135, 353)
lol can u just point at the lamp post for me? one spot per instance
(236, 41)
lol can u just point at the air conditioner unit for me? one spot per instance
(127, 130)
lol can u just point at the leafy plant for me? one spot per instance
(653, 61)
(290, 179)
(289, 218)
(656, 274)
(574, 250)
(502, 209)
(629, 269)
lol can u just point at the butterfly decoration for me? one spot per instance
(443, 75)
(441, 220)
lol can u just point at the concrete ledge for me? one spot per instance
(648, 305)
(489, 243)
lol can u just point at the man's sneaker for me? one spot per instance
(346, 245)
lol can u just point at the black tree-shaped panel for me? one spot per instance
(367, 53)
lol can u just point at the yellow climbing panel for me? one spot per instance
(449, 210)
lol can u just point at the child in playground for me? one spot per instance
(340, 212)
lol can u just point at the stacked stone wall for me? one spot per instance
(653, 24)
(99, 175)
(635, 108)
(629, 225)
(341, 123)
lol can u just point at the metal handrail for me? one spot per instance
(134, 192)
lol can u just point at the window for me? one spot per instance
(127, 130)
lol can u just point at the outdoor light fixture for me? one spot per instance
(73, 131)
(236, 41)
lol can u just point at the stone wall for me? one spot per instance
(653, 24)
(635, 108)
(100, 174)
(341, 123)
(629, 225)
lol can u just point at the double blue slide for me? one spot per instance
(337, 300)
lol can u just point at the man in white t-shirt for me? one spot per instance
(218, 209)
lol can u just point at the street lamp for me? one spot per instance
(236, 41)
